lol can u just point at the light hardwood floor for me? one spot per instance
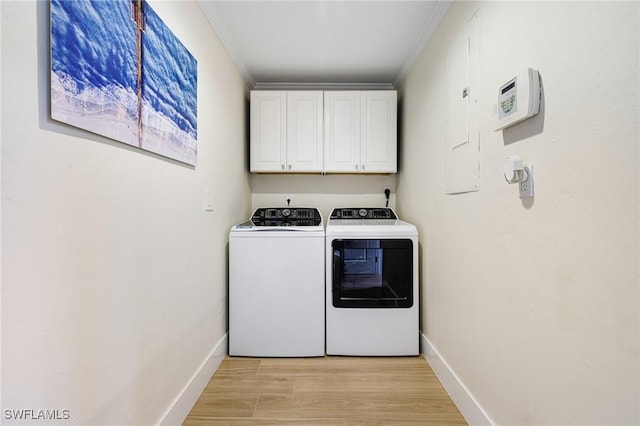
(340, 391)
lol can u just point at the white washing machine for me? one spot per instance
(276, 284)
(372, 303)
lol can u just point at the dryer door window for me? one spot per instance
(372, 273)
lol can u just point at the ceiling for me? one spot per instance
(324, 43)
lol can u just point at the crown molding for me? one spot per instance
(323, 86)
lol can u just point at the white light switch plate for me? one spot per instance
(208, 200)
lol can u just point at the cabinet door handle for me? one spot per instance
(356, 167)
(363, 167)
(289, 166)
(282, 165)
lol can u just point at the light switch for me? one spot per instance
(208, 200)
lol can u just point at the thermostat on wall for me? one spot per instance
(518, 98)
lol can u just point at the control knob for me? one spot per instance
(286, 212)
(362, 212)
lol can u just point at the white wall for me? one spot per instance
(535, 305)
(113, 275)
(323, 192)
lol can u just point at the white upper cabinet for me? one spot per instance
(315, 131)
(379, 138)
(268, 131)
(342, 131)
(286, 131)
(360, 132)
(304, 131)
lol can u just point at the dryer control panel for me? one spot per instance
(363, 213)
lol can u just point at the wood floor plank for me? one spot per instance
(255, 421)
(396, 422)
(235, 366)
(401, 366)
(381, 383)
(229, 383)
(214, 404)
(347, 405)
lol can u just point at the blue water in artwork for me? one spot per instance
(94, 56)
(169, 73)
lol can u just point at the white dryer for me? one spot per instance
(276, 284)
(372, 302)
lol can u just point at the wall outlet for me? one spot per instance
(526, 187)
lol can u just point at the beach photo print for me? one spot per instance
(118, 71)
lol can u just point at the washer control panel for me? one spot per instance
(286, 216)
(363, 213)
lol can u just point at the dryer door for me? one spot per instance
(372, 273)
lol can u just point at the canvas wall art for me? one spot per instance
(117, 70)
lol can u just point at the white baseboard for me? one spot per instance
(182, 405)
(464, 400)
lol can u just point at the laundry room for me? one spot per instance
(522, 225)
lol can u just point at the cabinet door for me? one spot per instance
(379, 132)
(268, 131)
(304, 131)
(342, 131)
